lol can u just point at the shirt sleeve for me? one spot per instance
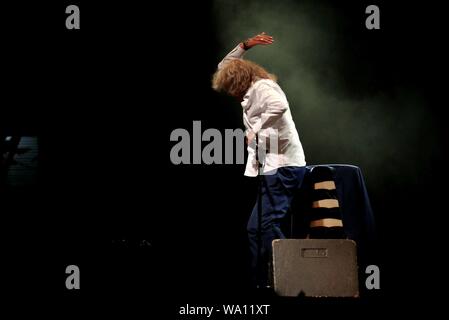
(273, 106)
(236, 53)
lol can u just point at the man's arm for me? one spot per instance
(236, 53)
(239, 51)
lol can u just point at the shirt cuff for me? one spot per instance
(238, 51)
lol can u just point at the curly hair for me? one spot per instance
(237, 76)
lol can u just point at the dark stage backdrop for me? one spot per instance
(103, 100)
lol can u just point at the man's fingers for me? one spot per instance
(263, 35)
(265, 40)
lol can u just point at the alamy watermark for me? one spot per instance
(72, 21)
(211, 146)
(73, 279)
(373, 20)
(373, 279)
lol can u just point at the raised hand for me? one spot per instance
(260, 39)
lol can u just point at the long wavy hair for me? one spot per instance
(237, 76)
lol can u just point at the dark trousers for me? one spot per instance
(277, 193)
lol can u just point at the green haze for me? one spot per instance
(377, 131)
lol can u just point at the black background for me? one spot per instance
(104, 100)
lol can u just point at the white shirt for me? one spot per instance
(267, 113)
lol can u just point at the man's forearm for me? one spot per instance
(236, 53)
